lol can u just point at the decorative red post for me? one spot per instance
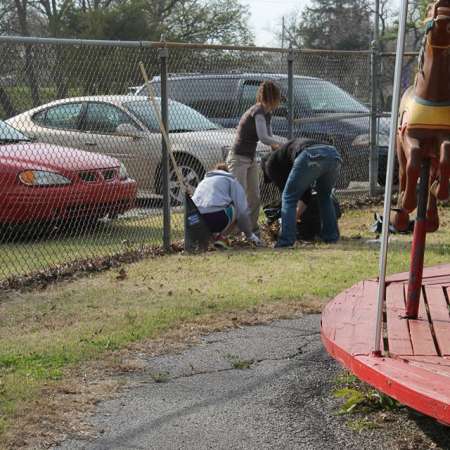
(418, 244)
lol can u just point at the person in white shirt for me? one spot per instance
(222, 202)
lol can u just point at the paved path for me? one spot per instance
(282, 401)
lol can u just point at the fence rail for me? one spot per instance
(89, 183)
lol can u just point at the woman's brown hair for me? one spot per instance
(268, 94)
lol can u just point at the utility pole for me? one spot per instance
(282, 32)
(376, 31)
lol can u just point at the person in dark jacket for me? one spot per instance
(294, 168)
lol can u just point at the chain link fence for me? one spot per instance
(82, 167)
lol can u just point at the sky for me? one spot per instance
(266, 17)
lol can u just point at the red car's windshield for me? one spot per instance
(10, 134)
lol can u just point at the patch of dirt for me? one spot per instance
(41, 279)
(61, 408)
(363, 202)
(409, 429)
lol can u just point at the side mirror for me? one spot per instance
(127, 129)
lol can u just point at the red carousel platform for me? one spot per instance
(414, 366)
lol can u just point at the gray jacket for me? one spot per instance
(220, 189)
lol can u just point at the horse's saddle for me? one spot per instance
(420, 113)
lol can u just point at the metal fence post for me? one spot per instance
(163, 59)
(290, 92)
(373, 160)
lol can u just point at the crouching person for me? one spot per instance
(222, 202)
(295, 168)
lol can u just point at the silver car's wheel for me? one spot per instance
(192, 173)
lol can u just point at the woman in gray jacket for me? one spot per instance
(222, 202)
(254, 126)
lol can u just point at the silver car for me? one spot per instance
(126, 128)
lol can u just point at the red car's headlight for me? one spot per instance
(42, 178)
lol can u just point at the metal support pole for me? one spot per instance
(390, 174)
(376, 28)
(163, 59)
(418, 245)
(373, 160)
(290, 93)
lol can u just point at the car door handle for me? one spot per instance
(90, 144)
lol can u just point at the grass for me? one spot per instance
(104, 239)
(42, 333)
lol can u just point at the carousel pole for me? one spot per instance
(389, 174)
(418, 245)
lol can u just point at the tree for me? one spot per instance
(215, 21)
(332, 24)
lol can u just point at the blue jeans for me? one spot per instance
(317, 164)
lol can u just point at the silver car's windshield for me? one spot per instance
(181, 117)
(10, 134)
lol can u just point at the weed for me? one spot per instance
(239, 363)
(160, 377)
(360, 397)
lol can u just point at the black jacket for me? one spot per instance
(277, 166)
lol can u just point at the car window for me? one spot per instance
(181, 117)
(212, 97)
(65, 116)
(8, 133)
(104, 118)
(319, 96)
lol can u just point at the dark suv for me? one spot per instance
(223, 99)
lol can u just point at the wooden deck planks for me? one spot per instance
(365, 318)
(429, 274)
(441, 281)
(434, 364)
(440, 316)
(399, 338)
(416, 370)
(353, 313)
(421, 337)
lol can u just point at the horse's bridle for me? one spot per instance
(429, 24)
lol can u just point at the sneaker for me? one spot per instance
(221, 243)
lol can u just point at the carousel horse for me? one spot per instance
(423, 143)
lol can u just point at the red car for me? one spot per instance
(45, 183)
